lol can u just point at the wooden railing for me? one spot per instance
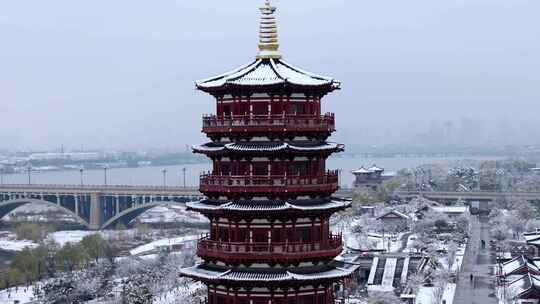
(231, 250)
(272, 183)
(213, 123)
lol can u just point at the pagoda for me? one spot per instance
(268, 196)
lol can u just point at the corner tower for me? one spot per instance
(269, 192)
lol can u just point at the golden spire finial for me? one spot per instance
(268, 36)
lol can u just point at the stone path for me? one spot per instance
(478, 262)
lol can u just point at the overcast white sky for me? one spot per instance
(120, 73)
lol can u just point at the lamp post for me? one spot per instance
(105, 173)
(81, 170)
(164, 171)
(29, 170)
(1, 176)
(184, 173)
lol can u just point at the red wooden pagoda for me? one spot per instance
(269, 192)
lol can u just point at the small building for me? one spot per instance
(395, 220)
(370, 178)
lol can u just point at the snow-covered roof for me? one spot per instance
(256, 206)
(204, 272)
(362, 170)
(266, 147)
(531, 236)
(267, 72)
(395, 213)
(518, 265)
(450, 209)
(526, 287)
(374, 168)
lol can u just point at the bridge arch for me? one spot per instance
(8, 206)
(128, 215)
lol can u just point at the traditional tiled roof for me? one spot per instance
(267, 72)
(520, 265)
(394, 212)
(362, 170)
(374, 168)
(211, 273)
(526, 287)
(258, 206)
(267, 147)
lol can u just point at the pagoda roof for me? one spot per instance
(268, 72)
(267, 147)
(267, 206)
(334, 271)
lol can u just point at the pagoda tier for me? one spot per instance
(269, 191)
(291, 233)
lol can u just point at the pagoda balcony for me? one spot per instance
(277, 252)
(265, 123)
(275, 184)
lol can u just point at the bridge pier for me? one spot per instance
(95, 211)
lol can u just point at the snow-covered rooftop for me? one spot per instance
(523, 287)
(255, 206)
(205, 272)
(266, 147)
(518, 265)
(267, 72)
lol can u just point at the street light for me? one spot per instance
(81, 170)
(164, 171)
(105, 173)
(29, 170)
(184, 172)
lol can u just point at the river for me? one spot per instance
(174, 175)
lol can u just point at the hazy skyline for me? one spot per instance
(119, 74)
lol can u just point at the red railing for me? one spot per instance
(213, 123)
(269, 183)
(260, 251)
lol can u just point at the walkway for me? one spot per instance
(476, 261)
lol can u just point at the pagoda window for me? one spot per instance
(226, 110)
(260, 108)
(242, 236)
(224, 234)
(260, 235)
(277, 236)
(260, 169)
(298, 168)
(225, 168)
(304, 233)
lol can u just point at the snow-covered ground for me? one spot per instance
(9, 242)
(150, 247)
(171, 214)
(21, 294)
(374, 241)
(63, 237)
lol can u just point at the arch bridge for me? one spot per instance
(96, 207)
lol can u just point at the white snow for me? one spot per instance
(389, 272)
(9, 242)
(150, 247)
(372, 271)
(449, 292)
(21, 294)
(405, 271)
(64, 237)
